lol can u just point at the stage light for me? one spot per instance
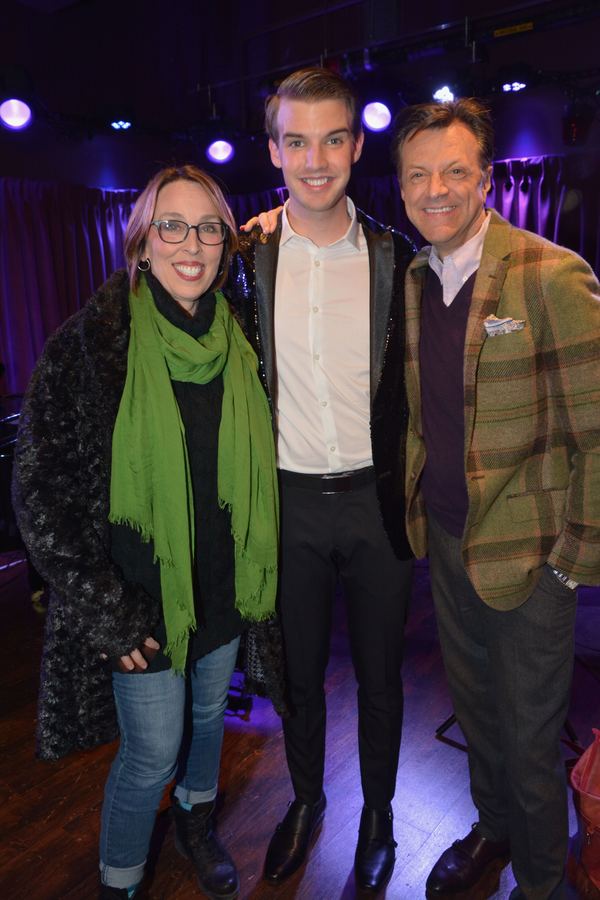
(220, 151)
(376, 116)
(443, 94)
(120, 124)
(515, 78)
(15, 114)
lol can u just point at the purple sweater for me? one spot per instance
(441, 351)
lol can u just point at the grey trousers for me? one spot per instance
(509, 675)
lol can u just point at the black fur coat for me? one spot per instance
(61, 500)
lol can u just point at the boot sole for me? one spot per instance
(210, 894)
(487, 886)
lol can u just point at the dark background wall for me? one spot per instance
(181, 70)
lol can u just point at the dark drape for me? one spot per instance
(59, 242)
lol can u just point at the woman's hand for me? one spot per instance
(138, 659)
(266, 220)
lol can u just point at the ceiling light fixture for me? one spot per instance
(376, 116)
(220, 151)
(443, 94)
(15, 114)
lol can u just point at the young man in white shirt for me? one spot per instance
(323, 298)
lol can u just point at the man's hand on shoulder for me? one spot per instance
(266, 220)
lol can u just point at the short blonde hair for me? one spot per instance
(143, 213)
(312, 85)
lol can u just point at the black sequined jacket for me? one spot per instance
(61, 499)
(252, 287)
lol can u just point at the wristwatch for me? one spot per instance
(564, 579)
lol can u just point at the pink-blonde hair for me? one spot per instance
(143, 213)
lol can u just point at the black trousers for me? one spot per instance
(509, 675)
(325, 537)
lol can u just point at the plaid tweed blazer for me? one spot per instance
(532, 417)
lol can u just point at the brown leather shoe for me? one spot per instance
(291, 840)
(469, 869)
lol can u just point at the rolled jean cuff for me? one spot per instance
(121, 878)
(186, 795)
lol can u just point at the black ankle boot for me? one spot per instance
(375, 851)
(195, 838)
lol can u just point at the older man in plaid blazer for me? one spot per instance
(503, 469)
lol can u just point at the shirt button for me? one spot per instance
(317, 356)
(315, 309)
(323, 402)
(332, 449)
(317, 263)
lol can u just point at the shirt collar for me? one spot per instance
(466, 257)
(352, 235)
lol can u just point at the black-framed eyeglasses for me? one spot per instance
(173, 231)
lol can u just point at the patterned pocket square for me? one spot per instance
(495, 326)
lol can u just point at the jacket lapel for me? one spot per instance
(265, 258)
(487, 290)
(415, 283)
(381, 282)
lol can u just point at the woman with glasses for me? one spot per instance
(145, 490)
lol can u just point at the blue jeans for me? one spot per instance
(153, 748)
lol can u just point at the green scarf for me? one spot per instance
(151, 489)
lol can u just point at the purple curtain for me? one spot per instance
(554, 196)
(58, 242)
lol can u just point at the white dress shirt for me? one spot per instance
(322, 352)
(458, 267)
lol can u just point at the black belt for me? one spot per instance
(329, 484)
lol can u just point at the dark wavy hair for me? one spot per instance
(468, 110)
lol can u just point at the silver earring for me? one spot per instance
(144, 265)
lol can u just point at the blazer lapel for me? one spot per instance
(381, 281)
(265, 260)
(415, 283)
(487, 291)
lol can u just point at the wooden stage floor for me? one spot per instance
(49, 812)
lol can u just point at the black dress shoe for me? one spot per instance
(375, 852)
(470, 868)
(291, 840)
